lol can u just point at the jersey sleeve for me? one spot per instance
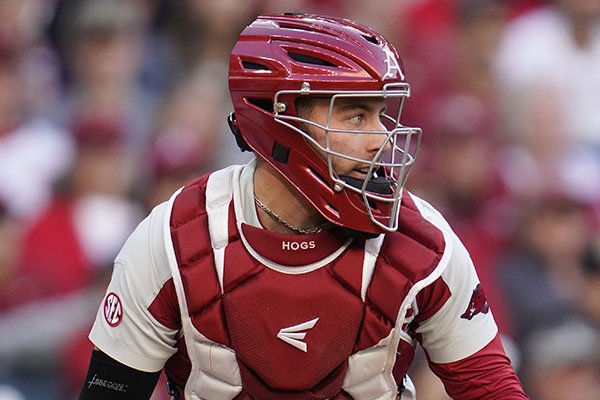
(487, 374)
(453, 318)
(125, 328)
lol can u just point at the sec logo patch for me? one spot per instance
(113, 310)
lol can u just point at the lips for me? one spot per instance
(360, 173)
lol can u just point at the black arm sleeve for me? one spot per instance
(108, 379)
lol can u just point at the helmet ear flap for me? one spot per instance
(239, 139)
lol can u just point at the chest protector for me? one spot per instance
(323, 318)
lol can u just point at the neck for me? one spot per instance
(284, 200)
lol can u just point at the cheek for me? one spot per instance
(350, 145)
(346, 143)
(340, 143)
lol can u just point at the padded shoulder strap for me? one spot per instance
(198, 227)
(219, 192)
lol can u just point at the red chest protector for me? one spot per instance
(295, 317)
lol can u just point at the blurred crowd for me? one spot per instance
(108, 106)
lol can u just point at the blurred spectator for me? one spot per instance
(205, 30)
(23, 23)
(542, 277)
(177, 156)
(564, 363)
(65, 255)
(591, 269)
(33, 152)
(480, 25)
(452, 44)
(85, 224)
(103, 45)
(10, 241)
(549, 81)
(9, 393)
(190, 138)
(384, 17)
(10, 236)
(555, 50)
(541, 156)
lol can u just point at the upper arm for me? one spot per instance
(454, 319)
(126, 328)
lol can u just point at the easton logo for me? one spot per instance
(477, 304)
(113, 310)
(286, 245)
(294, 335)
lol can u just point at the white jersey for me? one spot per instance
(444, 307)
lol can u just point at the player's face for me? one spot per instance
(351, 114)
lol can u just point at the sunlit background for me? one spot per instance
(108, 106)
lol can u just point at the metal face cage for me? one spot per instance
(393, 160)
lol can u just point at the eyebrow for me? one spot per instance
(361, 106)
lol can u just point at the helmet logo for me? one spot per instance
(393, 68)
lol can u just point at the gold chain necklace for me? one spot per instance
(283, 222)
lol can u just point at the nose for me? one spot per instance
(378, 138)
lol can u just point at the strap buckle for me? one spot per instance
(173, 390)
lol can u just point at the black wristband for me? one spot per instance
(108, 379)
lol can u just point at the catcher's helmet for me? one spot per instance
(279, 59)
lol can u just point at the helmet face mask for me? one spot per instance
(385, 171)
(352, 175)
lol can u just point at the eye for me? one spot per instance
(356, 119)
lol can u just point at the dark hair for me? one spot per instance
(303, 106)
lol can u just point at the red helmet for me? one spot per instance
(280, 58)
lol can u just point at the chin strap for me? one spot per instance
(353, 233)
(378, 185)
